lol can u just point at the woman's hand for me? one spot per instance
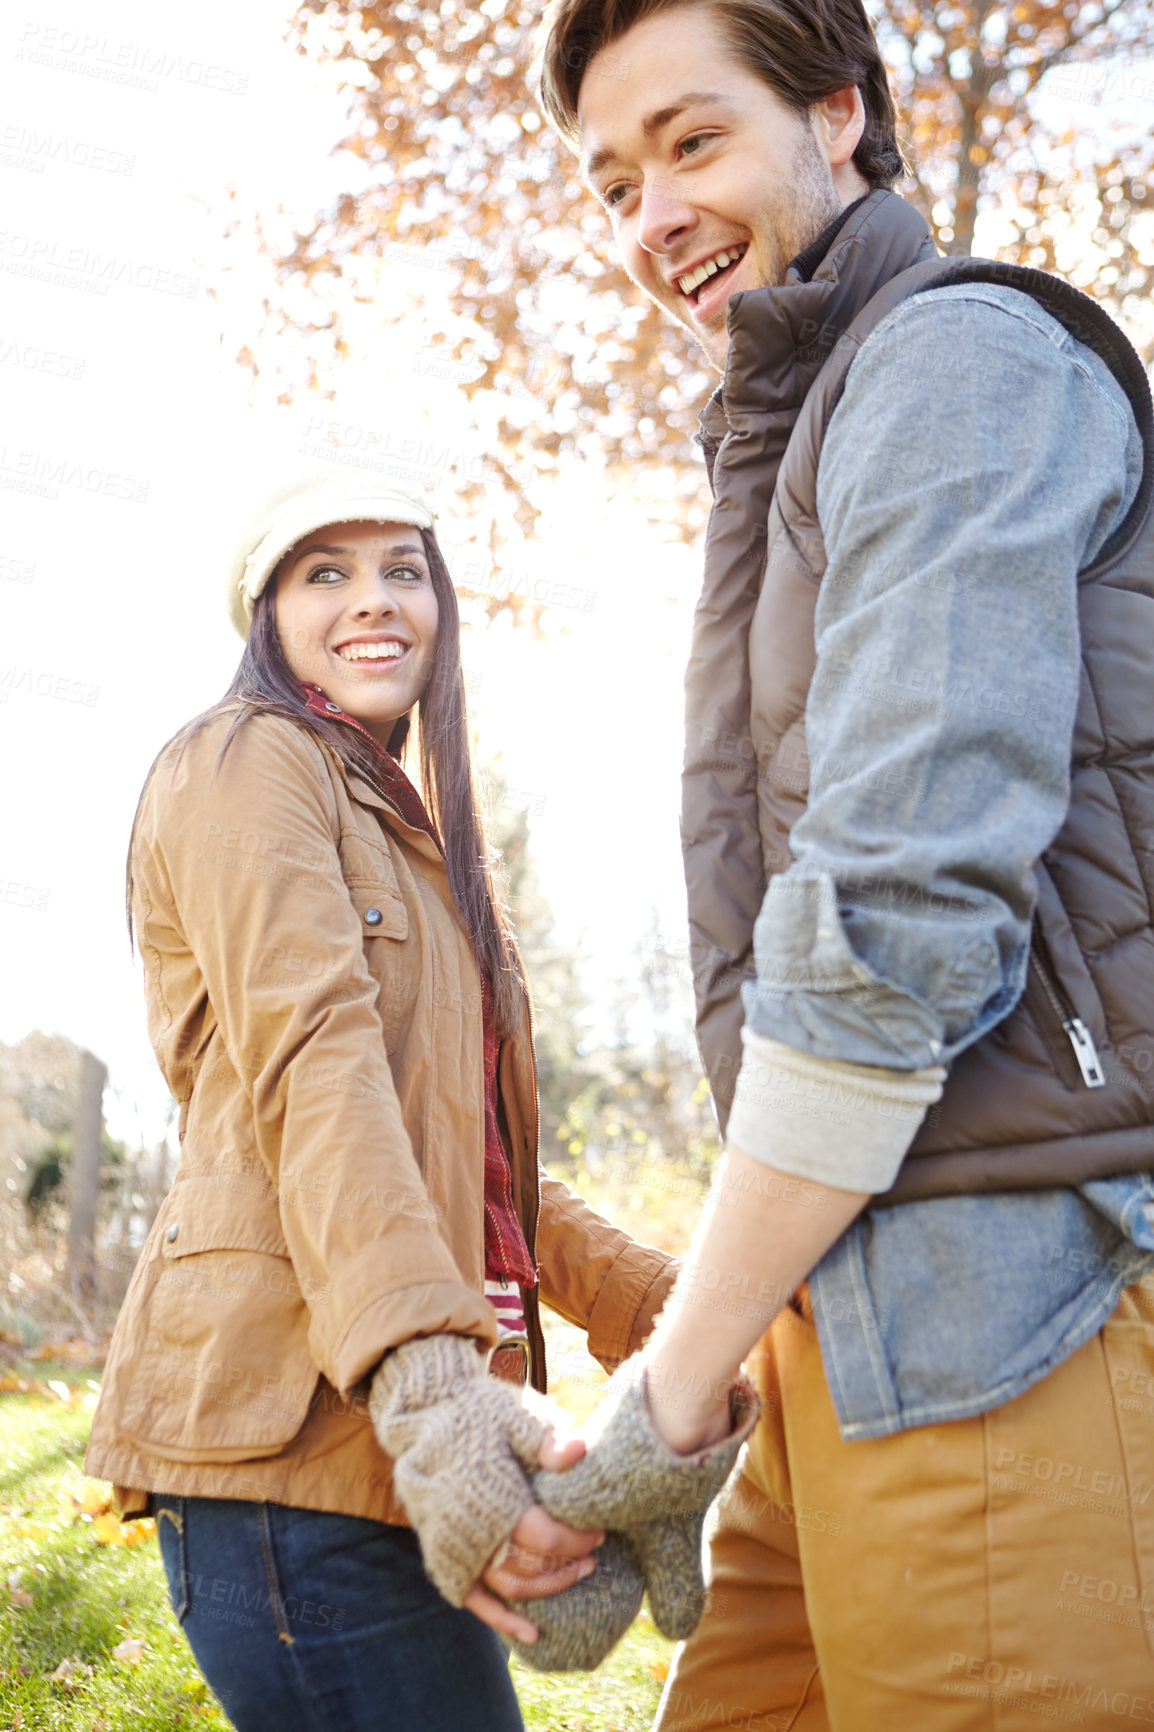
(542, 1556)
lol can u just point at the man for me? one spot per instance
(919, 843)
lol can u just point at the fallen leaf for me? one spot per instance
(71, 1672)
(659, 1669)
(18, 1597)
(107, 1530)
(94, 1502)
(129, 1650)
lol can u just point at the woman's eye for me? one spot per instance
(324, 574)
(410, 573)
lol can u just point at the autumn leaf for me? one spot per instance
(129, 1650)
(71, 1673)
(93, 1502)
(109, 1530)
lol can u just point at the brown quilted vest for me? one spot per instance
(1062, 1090)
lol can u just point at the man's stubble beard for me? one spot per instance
(810, 204)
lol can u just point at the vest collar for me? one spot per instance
(780, 337)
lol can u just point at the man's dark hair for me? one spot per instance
(805, 50)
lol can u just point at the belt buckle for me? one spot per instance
(509, 1360)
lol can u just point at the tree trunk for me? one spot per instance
(84, 1179)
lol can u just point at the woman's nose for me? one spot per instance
(374, 597)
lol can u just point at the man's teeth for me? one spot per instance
(371, 652)
(718, 262)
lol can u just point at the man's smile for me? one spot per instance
(716, 264)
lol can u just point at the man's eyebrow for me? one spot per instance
(654, 122)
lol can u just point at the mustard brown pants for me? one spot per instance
(986, 1575)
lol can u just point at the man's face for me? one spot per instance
(702, 167)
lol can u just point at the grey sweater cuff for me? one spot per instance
(845, 1125)
(463, 1446)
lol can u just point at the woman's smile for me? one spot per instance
(357, 614)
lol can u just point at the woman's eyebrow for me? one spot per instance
(318, 547)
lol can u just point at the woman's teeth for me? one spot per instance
(371, 652)
(693, 279)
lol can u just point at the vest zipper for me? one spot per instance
(1077, 1033)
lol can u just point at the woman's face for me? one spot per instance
(357, 616)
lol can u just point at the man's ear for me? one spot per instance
(838, 123)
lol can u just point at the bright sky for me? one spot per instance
(119, 412)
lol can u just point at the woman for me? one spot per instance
(337, 1004)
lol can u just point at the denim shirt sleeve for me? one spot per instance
(979, 457)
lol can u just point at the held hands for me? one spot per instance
(463, 1447)
(653, 1501)
(542, 1556)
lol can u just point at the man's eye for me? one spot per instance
(613, 195)
(689, 146)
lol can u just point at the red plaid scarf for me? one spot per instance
(506, 1251)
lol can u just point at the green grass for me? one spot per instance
(66, 1596)
(71, 1590)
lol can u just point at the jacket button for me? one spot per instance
(172, 1232)
(373, 917)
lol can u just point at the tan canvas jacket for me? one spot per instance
(314, 1003)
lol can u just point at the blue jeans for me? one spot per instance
(307, 1622)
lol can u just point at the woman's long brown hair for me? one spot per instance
(264, 684)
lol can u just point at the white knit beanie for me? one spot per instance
(303, 498)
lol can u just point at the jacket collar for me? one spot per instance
(780, 337)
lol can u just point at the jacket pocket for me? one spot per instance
(219, 1364)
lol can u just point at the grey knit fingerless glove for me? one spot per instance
(654, 1504)
(463, 1445)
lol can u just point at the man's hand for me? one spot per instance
(542, 1557)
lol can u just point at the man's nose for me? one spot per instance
(664, 219)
